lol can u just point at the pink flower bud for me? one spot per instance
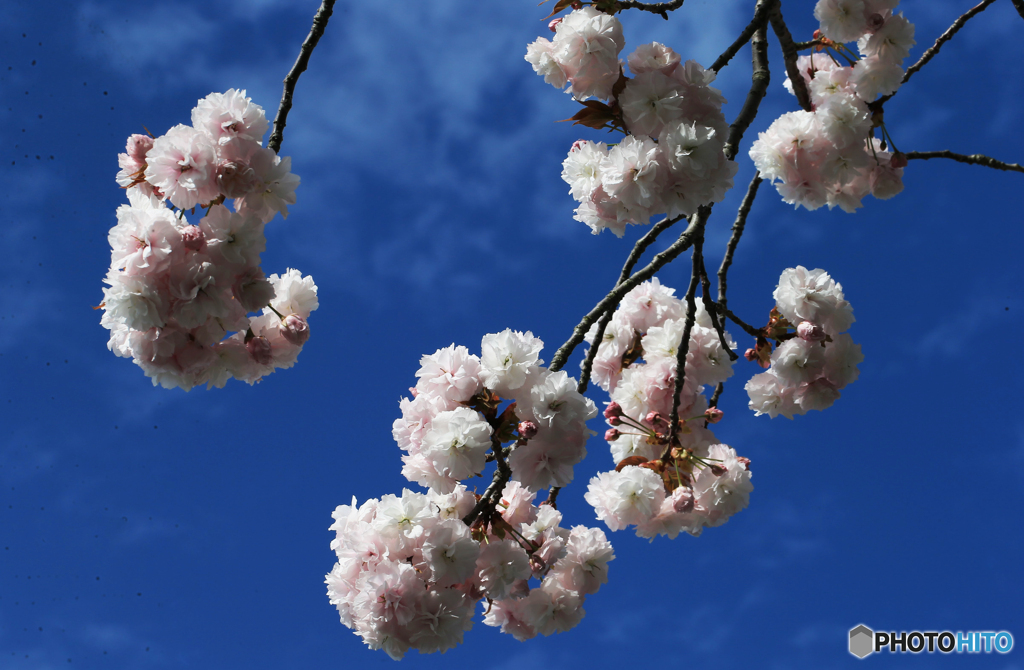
(750, 355)
(138, 146)
(657, 421)
(811, 332)
(682, 500)
(527, 429)
(554, 24)
(898, 160)
(235, 179)
(717, 470)
(295, 329)
(259, 349)
(713, 414)
(192, 237)
(611, 434)
(613, 410)
(875, 21)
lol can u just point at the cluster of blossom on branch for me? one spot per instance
(829, 155)
(175, 290)
(671, 159)
(814, 358)
(664, 488)
(411, 569)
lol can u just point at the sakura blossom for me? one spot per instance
(176, 288)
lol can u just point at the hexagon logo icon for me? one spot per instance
(861, 641)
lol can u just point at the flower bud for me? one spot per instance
(192, 237)
(682, 500)
(717, 470)
(527, 429)
(898, 160)
(138, 146)
(295, 329)
(713, 414)
(259, 349)
(613, 411)
(875, 21)
(235, 179)
(657, 421)
(554, 24)
(811, 332)
(611, 434)
(750, 355)
(576, 4)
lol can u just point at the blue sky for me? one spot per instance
(146, 528)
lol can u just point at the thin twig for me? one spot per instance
(790, 55)
(684, 344)
(552, 496)
(714, 398)
(747, 328)
(662, 8)
(280, 120)
(627, 269)
(758, 89)
(943, 38)
(803, 46)
(760, 20)
(712, 309)
(502, 474)
(737, 232)
(616, 294)
(973, 159)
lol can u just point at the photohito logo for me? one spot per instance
(864, 641)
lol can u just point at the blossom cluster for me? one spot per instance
(410, 569)
(816, 359)
(175, 289)
(829, 155)
(694, 483)
(446, 440)
(671, 159)
(410, 572)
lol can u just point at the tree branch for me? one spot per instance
(616, 294)
(747, 328)
(758, 89)
(759, 21)
(973, 159)
(789, 54)
(737, 232)
(280, 120)
(662, 8)
(803, 46)
(1019, 5)
(684, 345)
(627, 269)
(943, 38)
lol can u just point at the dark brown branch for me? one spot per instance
(747, 328)
(759, 21)
(803, 46)
(662, 8)
(684, 344)
(973, 159)
(712, 309)
(1019, 5)
(612, 299)
(280, 120)
(627, 269)
(934, 49)
(737, 232)
(552, 496)
(758, 89)
(714, 398)
(490, 498)
(789, 53)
